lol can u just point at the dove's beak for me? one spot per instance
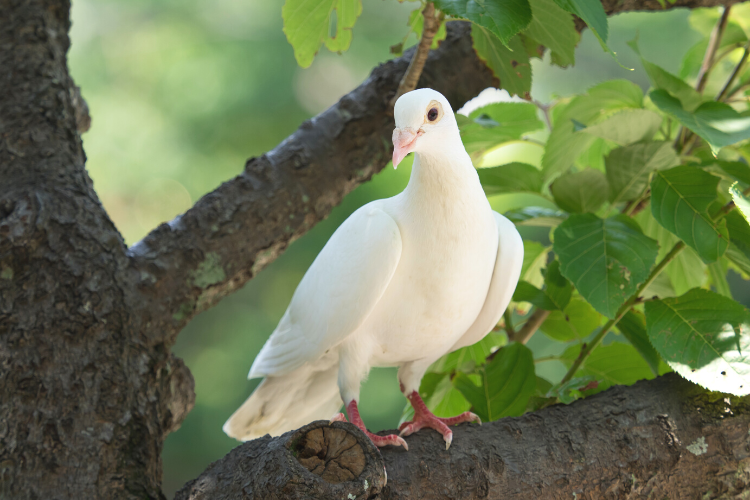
(404, 141)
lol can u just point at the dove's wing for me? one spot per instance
(504, 280)
(337, 293)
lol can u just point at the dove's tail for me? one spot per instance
(286, 402)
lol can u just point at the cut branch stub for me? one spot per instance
(331, 453)
(318, 461)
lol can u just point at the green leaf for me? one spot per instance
(680, 198)
(715, 122)
(509, 64)
(686, 270)
(691, 62)
(554, 28)
(539, 399)
(592, 13)
(534, 259)
(718, 273)
(526, 292)
(627, 126)
(576, 322)
(633, 327)
(536, 216)
(510, 119)
(580, 192)
(502, 18)
(628, 168)
(497, 123)
(737, 170)
(511, 178)
(557, 288)
(613, 364)
(564, 145)
(306, 25)
(574, 389)
(506, 384)
(739, 233)
(704, 337)
(466, 359)
(605, 259)
(743, 204)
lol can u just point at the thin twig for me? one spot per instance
(414, 71)
(735, 73)
(713, 45)
(586, 350)
(531, 326)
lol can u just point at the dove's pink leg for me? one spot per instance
(379, 441)
(423, 417)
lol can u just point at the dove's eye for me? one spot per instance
(434, 112)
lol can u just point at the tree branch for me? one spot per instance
(663, 438)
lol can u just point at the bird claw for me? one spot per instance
(337, 417)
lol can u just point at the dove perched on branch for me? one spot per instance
(401, 282)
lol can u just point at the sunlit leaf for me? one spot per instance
(627, 126)
(534, 259)
(509, 64)
(680, 198)
(606, 259)
(715, 122)
(502, 18)
(554, 28)
(743, 204)
(306, 25)
(704, 337)
(506, 384)
(580, 192)
(576, 322)
(536, 216)
(564, 145)
(628, 168)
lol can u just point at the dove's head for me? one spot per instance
(424, 122)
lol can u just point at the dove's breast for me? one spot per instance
(440, 284)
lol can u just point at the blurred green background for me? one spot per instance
(181, 92)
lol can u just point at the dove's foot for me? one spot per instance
(378, 441)
(423, 417)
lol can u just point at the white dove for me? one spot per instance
(401, 282)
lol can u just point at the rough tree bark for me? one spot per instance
(88, 386)
(663, 438)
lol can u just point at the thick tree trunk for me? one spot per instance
(664, 438)
(88, 387)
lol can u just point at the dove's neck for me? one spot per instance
(443, 178)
